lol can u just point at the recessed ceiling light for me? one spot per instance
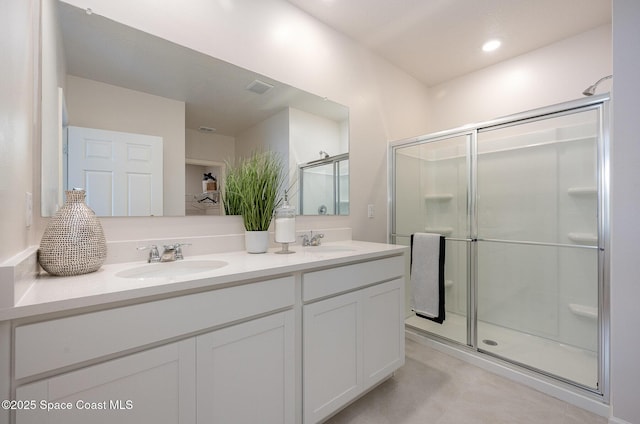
(491, 45)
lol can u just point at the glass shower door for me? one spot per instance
(317, 193)
(324, 186)
(430, 190)
(537, 249)
(342, 176)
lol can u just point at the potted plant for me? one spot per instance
(253, 190)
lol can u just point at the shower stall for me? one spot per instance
(523, 204)
(324, 186)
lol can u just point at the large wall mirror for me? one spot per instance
(139, 121)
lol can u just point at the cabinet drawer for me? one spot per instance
(45, 346)
(332, 281)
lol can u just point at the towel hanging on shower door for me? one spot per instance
(427, 276)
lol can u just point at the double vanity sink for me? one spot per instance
(295, 336)
(127, 281)
(188, 267)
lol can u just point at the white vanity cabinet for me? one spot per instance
(290, 343)
(246, 372)
(332, 355)
(353, 332)
(240, 371)
(153, 386)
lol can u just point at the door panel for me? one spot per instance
(537, 262)
(105, 163)
(431, 195)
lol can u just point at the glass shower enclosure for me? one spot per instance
(324, 186)
(523, 205)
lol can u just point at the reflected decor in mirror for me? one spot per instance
(116, 85)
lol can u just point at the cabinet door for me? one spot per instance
(383, 329)
(154, 386)
(332, 354)
(246, 372)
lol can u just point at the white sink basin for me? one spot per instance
(329, 249)
(170, 269)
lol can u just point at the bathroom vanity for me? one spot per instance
(261, 338)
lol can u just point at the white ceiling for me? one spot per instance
(437, 40)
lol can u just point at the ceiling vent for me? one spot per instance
(259, 87)
(206, 129)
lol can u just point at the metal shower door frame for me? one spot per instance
(599, 103)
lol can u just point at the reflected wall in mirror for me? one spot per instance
(99, 74)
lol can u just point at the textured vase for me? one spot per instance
(256, 241)
(73, 242)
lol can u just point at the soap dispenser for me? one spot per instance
(285, 225)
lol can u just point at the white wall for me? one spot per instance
(311, 133)
(269, 134)
(18, 123)
(543, 77)
(212, 147)
(94, 104)
(625, 204)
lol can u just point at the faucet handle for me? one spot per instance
(178, 248)
(305, 239)
(154, 255)
(315, 240)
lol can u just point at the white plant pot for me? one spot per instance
(256, 241)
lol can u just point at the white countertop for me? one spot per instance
(54, 294)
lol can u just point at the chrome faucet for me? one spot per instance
(170, 253)
(173, 252)
(154, 255)
(311, 240)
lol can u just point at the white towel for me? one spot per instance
(427, 279)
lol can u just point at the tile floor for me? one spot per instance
(434, 388)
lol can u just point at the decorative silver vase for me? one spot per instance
(73, 242)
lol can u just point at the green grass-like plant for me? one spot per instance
(231, 199)
(253, 189)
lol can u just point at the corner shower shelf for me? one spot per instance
(584, 311)
(445, 231)
(583, 238)
(582, 191)
(438, 197)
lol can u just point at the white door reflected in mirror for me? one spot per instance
(121, 172)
